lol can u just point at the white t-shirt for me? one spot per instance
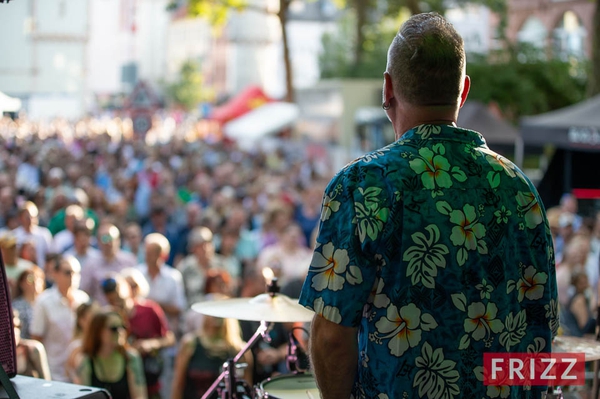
(54, 321)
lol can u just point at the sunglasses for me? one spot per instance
(106, 238)
(116, 329)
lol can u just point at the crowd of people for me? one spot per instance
(109, 238)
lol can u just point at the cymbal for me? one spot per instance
(264, 307)
(589, 346)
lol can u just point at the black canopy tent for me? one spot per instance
(499, 135)
(575, 132)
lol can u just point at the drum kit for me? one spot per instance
(268, 308)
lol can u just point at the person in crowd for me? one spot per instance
(159, 223)
(202, 353)
(31, 360)
(248, 244)
(83, 317)
(576, 318)
(146, 323)
(573, 262)
(13, 265)
(54, 313)
(29, 229)
(193, 213)
(111, 260)
(166, 283)
(278, 216)
(414, 217)
(30, 284)
(108, 362)
(308, 212)
(82, 248)
(65, 239)
(570, 205)
(26, 250)
(592, 265)
(289, 258)
(57, 222)
(133, 241)
(228, 241)
(194, 267)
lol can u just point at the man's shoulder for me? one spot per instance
(48, 295)
(127, 258)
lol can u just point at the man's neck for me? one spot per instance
(410, 116)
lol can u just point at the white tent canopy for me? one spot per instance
(262, 121)
(9, 104)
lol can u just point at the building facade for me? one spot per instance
(561, 27)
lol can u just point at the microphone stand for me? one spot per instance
(229, 367)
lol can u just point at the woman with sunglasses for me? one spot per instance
(107, 362)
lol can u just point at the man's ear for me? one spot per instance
(388, 88)
(465, 91)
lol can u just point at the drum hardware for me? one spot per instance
(228, 374)
(268, 308)
(296, 359)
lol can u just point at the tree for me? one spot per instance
(594, 87)
(217, 12)
(187, 91)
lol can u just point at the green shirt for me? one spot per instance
(438, 250)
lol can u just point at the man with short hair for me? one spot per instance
(53, 319)
(165, 282)
(432, 250)
(29, 229)
(194, 267)
(110, 260)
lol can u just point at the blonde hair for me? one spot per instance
(229, 337)
(134, 275)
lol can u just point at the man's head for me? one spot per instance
(66, 271)
(109, 239)
(157, 249)
(426, 65)
(200, 242)
(28, 214)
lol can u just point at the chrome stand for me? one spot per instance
(229, 367)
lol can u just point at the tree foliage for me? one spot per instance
(187, 91)
(519, 79)
(521, 82)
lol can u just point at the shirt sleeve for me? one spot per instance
(343, 270)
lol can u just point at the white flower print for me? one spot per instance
(330, 313)
(402, 327)
(329, 265)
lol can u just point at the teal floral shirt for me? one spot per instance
(438, 250)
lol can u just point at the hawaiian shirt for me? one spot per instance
(437, 249)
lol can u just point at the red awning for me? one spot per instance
(246, 101)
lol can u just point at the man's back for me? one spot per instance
(447, 257)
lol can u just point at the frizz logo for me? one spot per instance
(534, 369)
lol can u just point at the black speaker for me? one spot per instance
(34, 388)
(7, 331)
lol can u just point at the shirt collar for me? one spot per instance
(444, 133)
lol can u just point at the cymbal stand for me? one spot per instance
(228, 373)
